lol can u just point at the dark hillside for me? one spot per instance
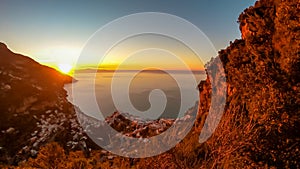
(33, 107)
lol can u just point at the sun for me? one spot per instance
(65, 68)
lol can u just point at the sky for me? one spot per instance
(54, 32)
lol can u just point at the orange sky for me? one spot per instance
(57, 39)
(145, 51)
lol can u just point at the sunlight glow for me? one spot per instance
(65, 68)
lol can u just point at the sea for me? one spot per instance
(149, 94)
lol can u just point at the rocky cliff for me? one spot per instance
(261, 122)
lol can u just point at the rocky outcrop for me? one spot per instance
(261, 122)
(135, 127)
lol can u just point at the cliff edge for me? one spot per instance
(261, 122)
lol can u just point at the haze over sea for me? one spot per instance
(99, 85)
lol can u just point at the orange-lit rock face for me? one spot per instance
(245, 31)
(263, 75)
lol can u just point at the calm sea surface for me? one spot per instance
(153, 93)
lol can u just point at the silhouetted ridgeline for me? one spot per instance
(260, 127)
(33, 107)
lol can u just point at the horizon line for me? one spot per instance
(113, 70)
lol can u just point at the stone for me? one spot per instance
(10, 130)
